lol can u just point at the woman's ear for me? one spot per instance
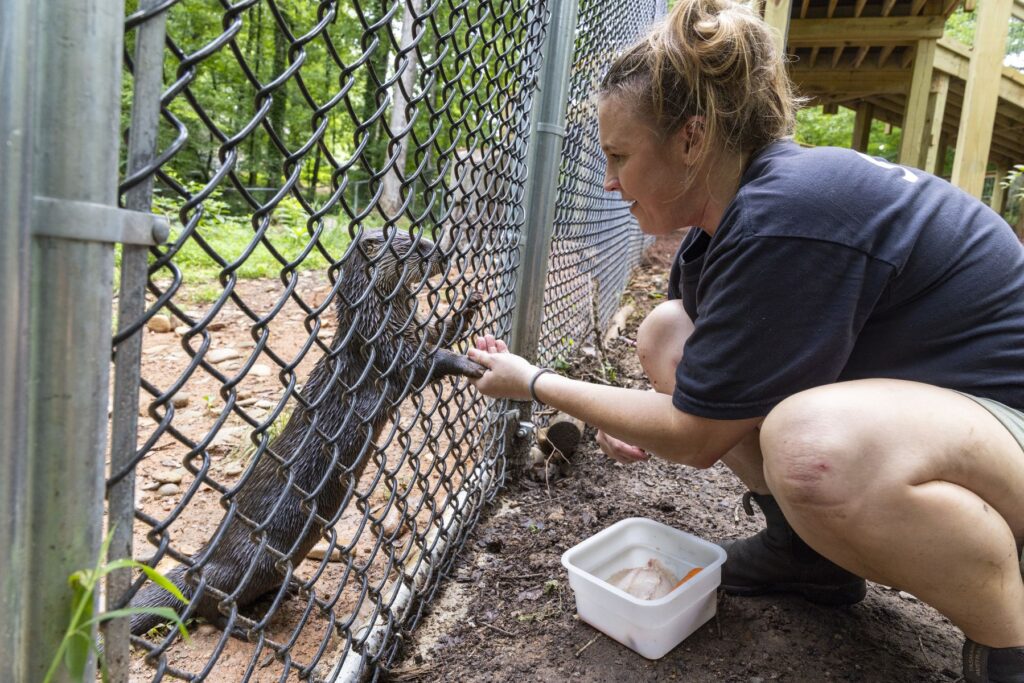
(689, 139)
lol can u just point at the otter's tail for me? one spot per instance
(153, 595)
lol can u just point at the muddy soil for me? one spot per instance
(507, 612)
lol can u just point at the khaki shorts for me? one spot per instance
(1012, 419)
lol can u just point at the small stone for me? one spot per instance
(320, 549)
(152, 486)
(234, 469)
(167, 490)
(907, 596)
(216, 325)
(246, 402)
(588, 350)
(181, 330)
(154, 349)
(556, 515)
(159, 324)
(266, 404)
(260, 370)
(221, 355)
(231, 365)
(324, 335)
(206, 630)
(180, 399)
(228, 436)
(169, 476)
(391, 523)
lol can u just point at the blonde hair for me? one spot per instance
(714, 59)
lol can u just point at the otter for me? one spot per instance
(379, 349)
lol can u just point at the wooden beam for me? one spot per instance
(803, 8)
(864, 31)
(937, 111)
(776, 15)
(981, 97)
(852, 82)
(883, 56)
(915, 115)
(862, 126)
(859, 7)
(996, 203)
(862, 52)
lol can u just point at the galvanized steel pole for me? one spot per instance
(77, 108)
(544, 159)
(142, 147)
(16, 66)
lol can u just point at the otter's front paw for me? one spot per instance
(448, 363)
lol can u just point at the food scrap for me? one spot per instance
(650, 581)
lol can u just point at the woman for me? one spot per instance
(845, 334)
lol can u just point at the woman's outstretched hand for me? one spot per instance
(507, 375)
(620, 451)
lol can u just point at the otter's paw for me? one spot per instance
(448, 363)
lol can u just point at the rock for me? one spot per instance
(588, 350)
(159, 324)
(207, 630)
(231, 365)
(229, 436)
(167, 490)
(152, 486)
(391, 523)
(246, 402)
(324, 335)
(320, 549)
(221, 355)
(556, 514)
(266, 404)
(260, 370)
(180, 399)
(216, 325)
(181, 331)
(169, 476)
(234, 469)
(154, 349)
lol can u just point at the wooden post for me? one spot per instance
(981, 96)
(776, 15)
(998, 191)
(940, 157)
(915, 117)
(935, 154)
(862, 126)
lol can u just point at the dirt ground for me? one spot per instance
(508, 614)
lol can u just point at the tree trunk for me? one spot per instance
(391, 197)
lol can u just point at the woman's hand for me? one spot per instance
(507, 375)
(620, 451)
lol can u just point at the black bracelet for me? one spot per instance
(533, 391)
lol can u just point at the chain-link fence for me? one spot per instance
(596, 243)
(293, 439)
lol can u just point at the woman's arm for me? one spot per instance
(645, 419)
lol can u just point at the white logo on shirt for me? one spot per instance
(907, 175)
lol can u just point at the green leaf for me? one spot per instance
(77, 653)
(161, 580)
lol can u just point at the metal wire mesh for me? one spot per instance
(596, 242)
(347, 179)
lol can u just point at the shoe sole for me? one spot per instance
(833, 596)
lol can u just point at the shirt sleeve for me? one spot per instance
(777, 315)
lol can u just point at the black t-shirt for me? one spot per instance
(830, 265)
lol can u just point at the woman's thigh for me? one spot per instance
(836, 445)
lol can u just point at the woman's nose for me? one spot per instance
(611, 183)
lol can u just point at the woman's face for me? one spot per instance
(647, 169)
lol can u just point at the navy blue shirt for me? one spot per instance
(830, 265)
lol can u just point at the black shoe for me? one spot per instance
(776, 560)
(992, 664)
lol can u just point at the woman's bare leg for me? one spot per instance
(909, 485)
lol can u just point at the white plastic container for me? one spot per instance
(648, 627)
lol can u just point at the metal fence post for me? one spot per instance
(76, 109)
(544, 160)
(142, 147)
(16, 42)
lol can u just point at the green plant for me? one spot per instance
(77, 643)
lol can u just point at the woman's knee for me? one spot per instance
(811, 451)
(660, 341)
